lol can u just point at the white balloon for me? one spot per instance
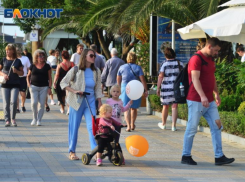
(134, 89)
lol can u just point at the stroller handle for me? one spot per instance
(84, 93)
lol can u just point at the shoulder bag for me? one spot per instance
(2, 79)
(134, 73)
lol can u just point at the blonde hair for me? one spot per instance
(12, 47)
(37, 53)
(115, 86)
(104, 108)
(131, 58)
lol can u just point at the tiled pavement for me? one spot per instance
(41, 154)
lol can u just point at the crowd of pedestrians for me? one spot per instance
(87, 71)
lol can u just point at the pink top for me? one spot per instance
(106, 122)
(117, 108)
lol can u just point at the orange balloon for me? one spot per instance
(137, 145)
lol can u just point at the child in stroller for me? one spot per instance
(106, 136)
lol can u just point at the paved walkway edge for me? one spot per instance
(226, 136)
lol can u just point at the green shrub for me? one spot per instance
(230, 103)
(155, 103)
(241, 108)
(233, 122)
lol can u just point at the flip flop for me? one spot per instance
(133, 127)
(73, 157)
(128, 130)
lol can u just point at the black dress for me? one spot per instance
(61, 93)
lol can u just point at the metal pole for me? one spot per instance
(3, 31)
(173, 35)
(151, 45)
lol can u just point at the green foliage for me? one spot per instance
(183, 111)
(142, 51)
(155, 103)
(2, 49)
(226, 76)
(241, 108)
(230, 103)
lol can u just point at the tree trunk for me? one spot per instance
(226, 51)
(103, 43)
(127, 46)
(38, 44)
(86, 40)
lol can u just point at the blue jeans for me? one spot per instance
(75, 118)
(195, 111)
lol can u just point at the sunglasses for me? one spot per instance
(41, 56)
(92, 55)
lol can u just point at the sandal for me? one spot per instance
(133, 127)
(47, 109)
(7, 124)
(73, 157)
(128, 130)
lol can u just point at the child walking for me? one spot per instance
(117, 104)
(105, 120)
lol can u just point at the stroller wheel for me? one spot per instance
(118, 159)
(86, 159)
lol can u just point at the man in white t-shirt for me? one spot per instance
(52, 61)
(23, 84)
(240, 51)
(75, 58)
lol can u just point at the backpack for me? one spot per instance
(183, 78)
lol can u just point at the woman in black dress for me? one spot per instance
(61, 71)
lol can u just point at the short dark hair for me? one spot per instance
(94, 47)
(240, 48)
(169, 53)
(65, 54)
(213, 42)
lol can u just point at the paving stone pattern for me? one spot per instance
(31, 153)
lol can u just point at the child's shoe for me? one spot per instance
(99, 162)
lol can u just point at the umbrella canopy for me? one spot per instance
(233, 3)
(227, 25)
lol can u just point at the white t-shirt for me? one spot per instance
(75, 58)
(52, 60)
(26, 64)
(243, 58)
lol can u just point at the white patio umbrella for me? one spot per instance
(233, 3)
(227, 25)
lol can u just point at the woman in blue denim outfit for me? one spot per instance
(127, 73)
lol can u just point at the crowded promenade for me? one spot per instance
(32, 153)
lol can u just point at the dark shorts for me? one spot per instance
(23, 84)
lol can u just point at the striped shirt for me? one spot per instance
(170, 68)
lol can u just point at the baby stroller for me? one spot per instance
(113, 150)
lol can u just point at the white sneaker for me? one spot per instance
(52, 102)
(163, 127)
(33, 122)
(174, 129)
(58, 103)
(38, 123)
(62, 111)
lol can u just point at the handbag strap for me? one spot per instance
(133, 71)
(11, 67)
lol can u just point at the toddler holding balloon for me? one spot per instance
(116, 103)
(105, 120)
